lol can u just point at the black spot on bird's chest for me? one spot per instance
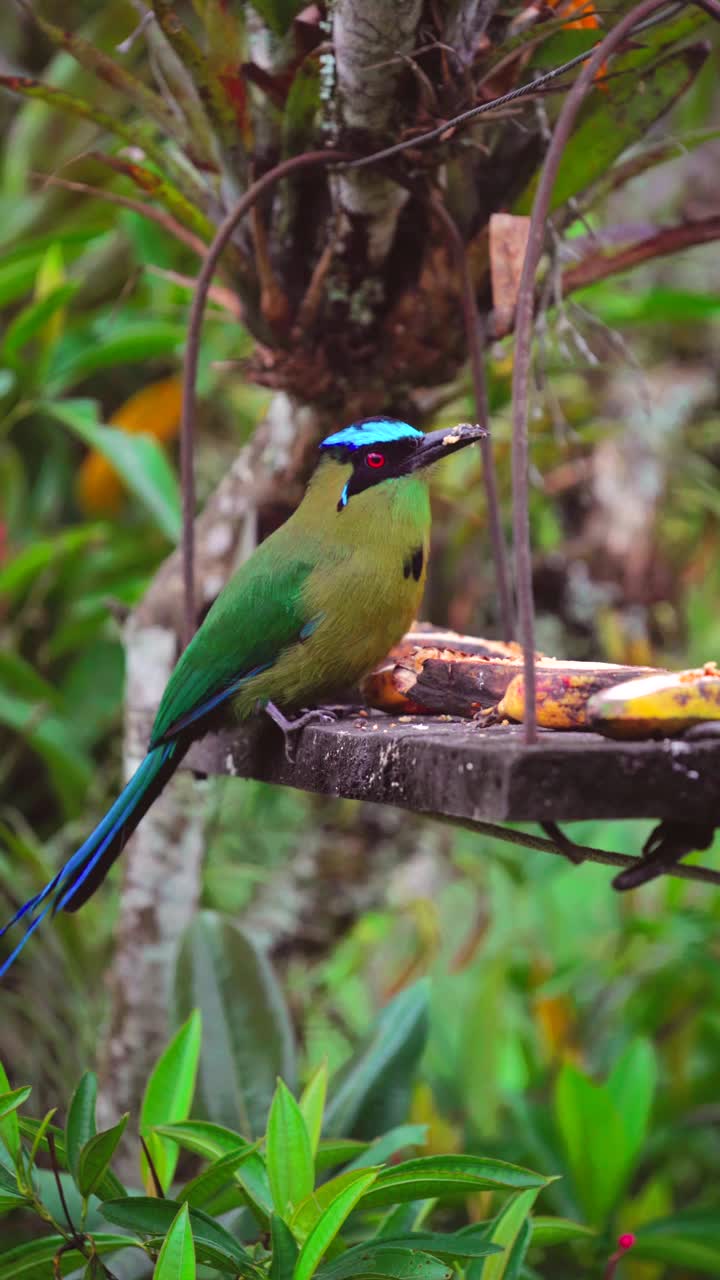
(413, 564)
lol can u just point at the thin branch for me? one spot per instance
(439, 133)
(164, 220)
(523, 332)
(157, 1184)
(666, 241)
(311, 159)
(475, 341)
(584, 853)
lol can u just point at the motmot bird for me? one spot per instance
(311, 611)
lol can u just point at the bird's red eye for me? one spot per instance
(376, 459)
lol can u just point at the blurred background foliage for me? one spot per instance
(543, 981)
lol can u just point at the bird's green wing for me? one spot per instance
(256, 616)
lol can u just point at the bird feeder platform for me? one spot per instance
(460, 769)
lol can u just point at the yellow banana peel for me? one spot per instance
(664, 703)
(562, 693)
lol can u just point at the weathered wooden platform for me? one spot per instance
(462, 770)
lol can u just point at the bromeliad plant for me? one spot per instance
(290, 1205)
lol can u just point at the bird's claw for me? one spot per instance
(287, 727)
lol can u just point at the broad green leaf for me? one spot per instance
(384, 1148)
(431, 1177)
(34, 1260)
(109, 1188)
(208, 1184)
(214, 1245)
(689, 1240)
(80, 1127)
(42, 1130)
(247, 1033)
(33, 318)
(96, 1155)
(371, 1092)
(451, 1246)
(284, 1250)
(328, 1225)
(125, 343)
(589, 1122)
(332, 1151)
(9, 1127)
(310, 1210)
(505, 1231)
(373, 1261)
(138, 459)
(213, 1141)
(546, 1231)
(615, 119)
(288, 1155)
(312, 1105)
(631, 1086)
(204, 1138)
(20, 676)
(176, 1260)
(168, 1097)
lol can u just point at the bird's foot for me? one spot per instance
(287, 727)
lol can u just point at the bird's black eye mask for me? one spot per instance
(373, 464)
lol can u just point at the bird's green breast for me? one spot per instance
(369, 563)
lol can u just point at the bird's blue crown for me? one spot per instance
(370, 431)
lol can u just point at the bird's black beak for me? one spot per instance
(438, 444)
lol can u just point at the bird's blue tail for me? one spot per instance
(78, 878)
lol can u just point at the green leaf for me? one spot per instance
(332, 1151)
(312, 1105)
(176, 1260)
(215, 1247)
(505, 1232)
(614, 120)
(34, 1260)
(547, 1231)
(80, 1127)
(384, 1262)
(110, 1186)
(384, 1148)
(301, 108)
(10, 1101)
(594, 1139)
(431, 1177)
(213, 1141)
(311, 1209)
(132, 342)
(328, 1225)
(631, 1086)
(138, 459)
(28, 323)
(247, 1034)
(168, 1096)
(284, 1250)
(689, 1240)
(42, 1130)
(96, 1155)
(451, 1246)
(10, 1200)
(288, 1155)
(10, 1126)
(204, 1138)
(212, 1181)
(371, 1093)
